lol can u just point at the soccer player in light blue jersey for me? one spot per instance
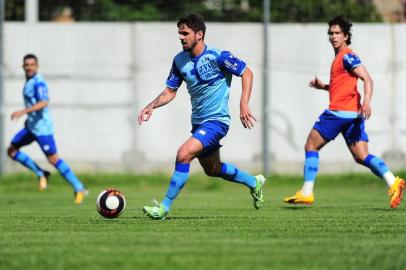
(207, 73)
(38, 127)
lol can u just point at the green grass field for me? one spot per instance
(212, 226)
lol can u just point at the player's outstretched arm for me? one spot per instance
(318, 84)
(246, 117)
(362, 73)
(162, 99)
(36, 107)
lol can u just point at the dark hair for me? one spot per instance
(344, 25)
(30, 56)
(194, 21)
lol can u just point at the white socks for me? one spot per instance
(389, 178)
(307, 188)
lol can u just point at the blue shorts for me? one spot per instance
(330, 125)
(209, 134)
(25, 137)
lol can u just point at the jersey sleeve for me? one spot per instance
(351, 61)
(230, 63)
(41, 91)
(174, 79)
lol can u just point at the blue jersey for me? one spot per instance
(208, 80)
(36, 90)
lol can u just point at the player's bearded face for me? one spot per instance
(188, 38)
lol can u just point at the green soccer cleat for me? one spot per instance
(156, 212)
(256, 192)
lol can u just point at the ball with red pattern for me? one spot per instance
(110, 203)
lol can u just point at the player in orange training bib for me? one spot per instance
(346, 115)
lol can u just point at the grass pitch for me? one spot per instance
(212, 225)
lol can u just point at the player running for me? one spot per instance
(207, 73)
(39, 128)
(346, 115)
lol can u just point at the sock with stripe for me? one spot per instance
(231, 173)
(178, 180)
(379, 168)
(310, 169)
(26, 161)
(69, 176)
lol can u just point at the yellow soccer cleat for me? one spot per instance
(299, 198)
(396, 192)
(43, 181)
(80, 195)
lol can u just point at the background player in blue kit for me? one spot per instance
(39, 128)
(207, 73)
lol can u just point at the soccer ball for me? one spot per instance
(110, 203)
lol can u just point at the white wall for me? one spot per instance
(101, 74)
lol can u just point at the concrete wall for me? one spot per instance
(101, 74)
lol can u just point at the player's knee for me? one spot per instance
(212, 172)
(11, 151)
(309, 147)
(53, 159)
(183, 156)
(358, 159)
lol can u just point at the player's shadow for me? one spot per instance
(185, 217)
(373, 209)
(382, 209)
(296, 207)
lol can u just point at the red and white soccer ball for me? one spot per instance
(110, 203)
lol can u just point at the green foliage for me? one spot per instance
(107, 10)
(212, 10)
(14, 10)
(323, 10)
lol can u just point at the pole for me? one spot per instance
(265, 92)
(31, 11)
(2, 149)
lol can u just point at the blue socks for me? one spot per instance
(181, 175)
(311, 166)
(178, 180)
(230, 173)
(377, 165)
(69, 176)
(61, 166)
(26, 161)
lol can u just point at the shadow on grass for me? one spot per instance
(383, 209)
(296, 207)
(179, 218)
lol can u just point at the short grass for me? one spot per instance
(212, 226)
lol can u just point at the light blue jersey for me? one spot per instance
(208, 80)
(36, 90)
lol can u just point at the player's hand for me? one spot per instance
(366, 111)
(145, 114)
(17, 114)
(246, 117)
(317, 83)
